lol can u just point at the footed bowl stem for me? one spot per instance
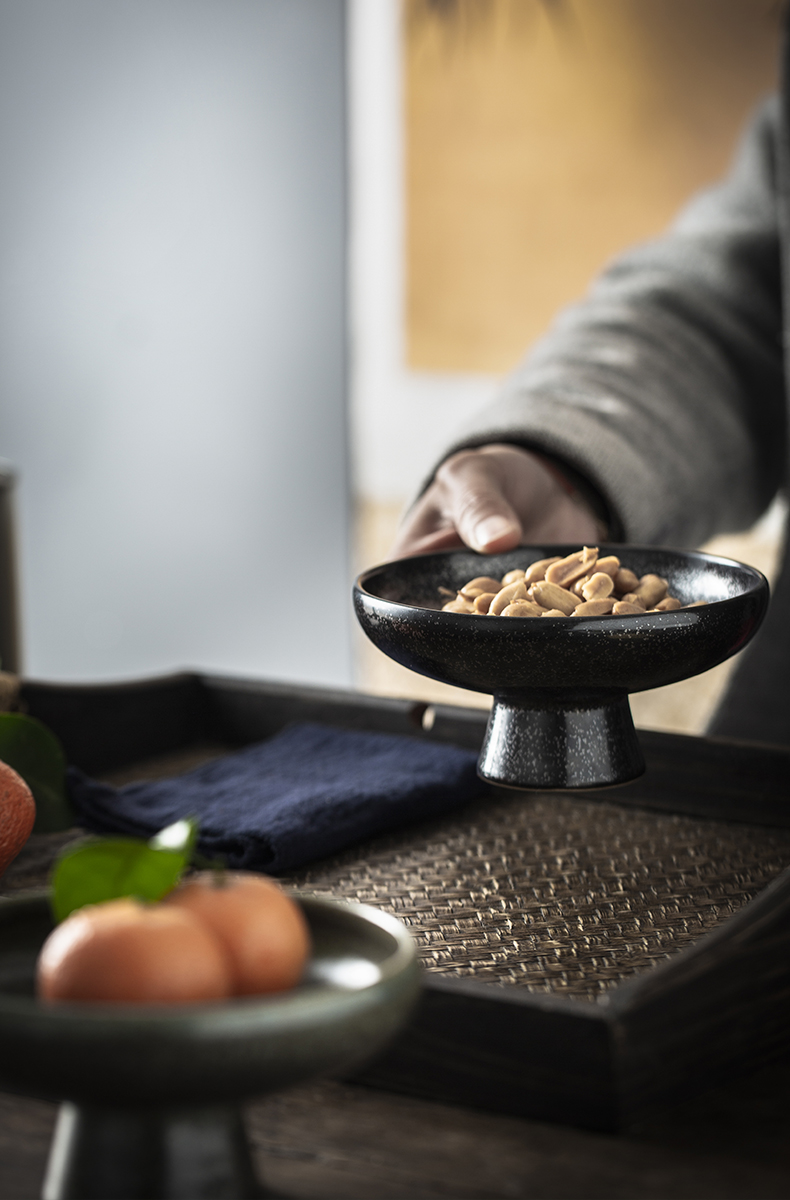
(542, 739)
(102, 1153)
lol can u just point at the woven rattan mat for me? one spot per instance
(555, 893)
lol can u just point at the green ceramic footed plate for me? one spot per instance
(360, 984)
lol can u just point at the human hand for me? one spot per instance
(493, 499)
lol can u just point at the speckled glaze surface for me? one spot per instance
(560, 717)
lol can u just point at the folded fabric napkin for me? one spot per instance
(306, 792)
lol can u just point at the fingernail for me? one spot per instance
(491, 530)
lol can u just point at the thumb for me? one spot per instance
(477, 507)
(490, 528)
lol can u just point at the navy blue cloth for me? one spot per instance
(306, 792)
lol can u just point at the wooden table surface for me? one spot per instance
(338, 1140)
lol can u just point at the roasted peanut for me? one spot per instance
(610, 564)
(514, 591)
(522, 608)
(625, 581)
(624, 608)
(537, 570)
(482, 583)
(652, 588)
(551, 595)
(459, 605)
(567, 570)
(668, 604)
(598, 586)
(592, 586)
(483, 602)
(594, 608)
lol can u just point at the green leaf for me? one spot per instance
(36, 754)
(108, 868)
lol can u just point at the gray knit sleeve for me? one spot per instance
(664, 387)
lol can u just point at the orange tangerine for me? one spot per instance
(123, 950)
(263, 930)
(17, 814)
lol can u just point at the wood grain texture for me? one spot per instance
(715, 1009)
(331, 1140)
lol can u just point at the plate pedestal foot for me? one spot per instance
(542, 740)
(101, 1153)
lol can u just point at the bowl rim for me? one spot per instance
(223, 1016)
(758, 585)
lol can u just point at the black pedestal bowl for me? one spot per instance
(560, 717)
(151, 1093)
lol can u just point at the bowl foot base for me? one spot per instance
(542, 741)
(150, 1154)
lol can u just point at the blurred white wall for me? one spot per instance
(401, 418)
(172, 333)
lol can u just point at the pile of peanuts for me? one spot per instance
(579, 585)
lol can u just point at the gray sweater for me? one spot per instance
(665, 390)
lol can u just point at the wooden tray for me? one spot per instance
(594, 1045)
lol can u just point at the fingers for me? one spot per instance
(431, 543)
(465, 505)
(425, 529)
(493, 499)
(473, 497)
